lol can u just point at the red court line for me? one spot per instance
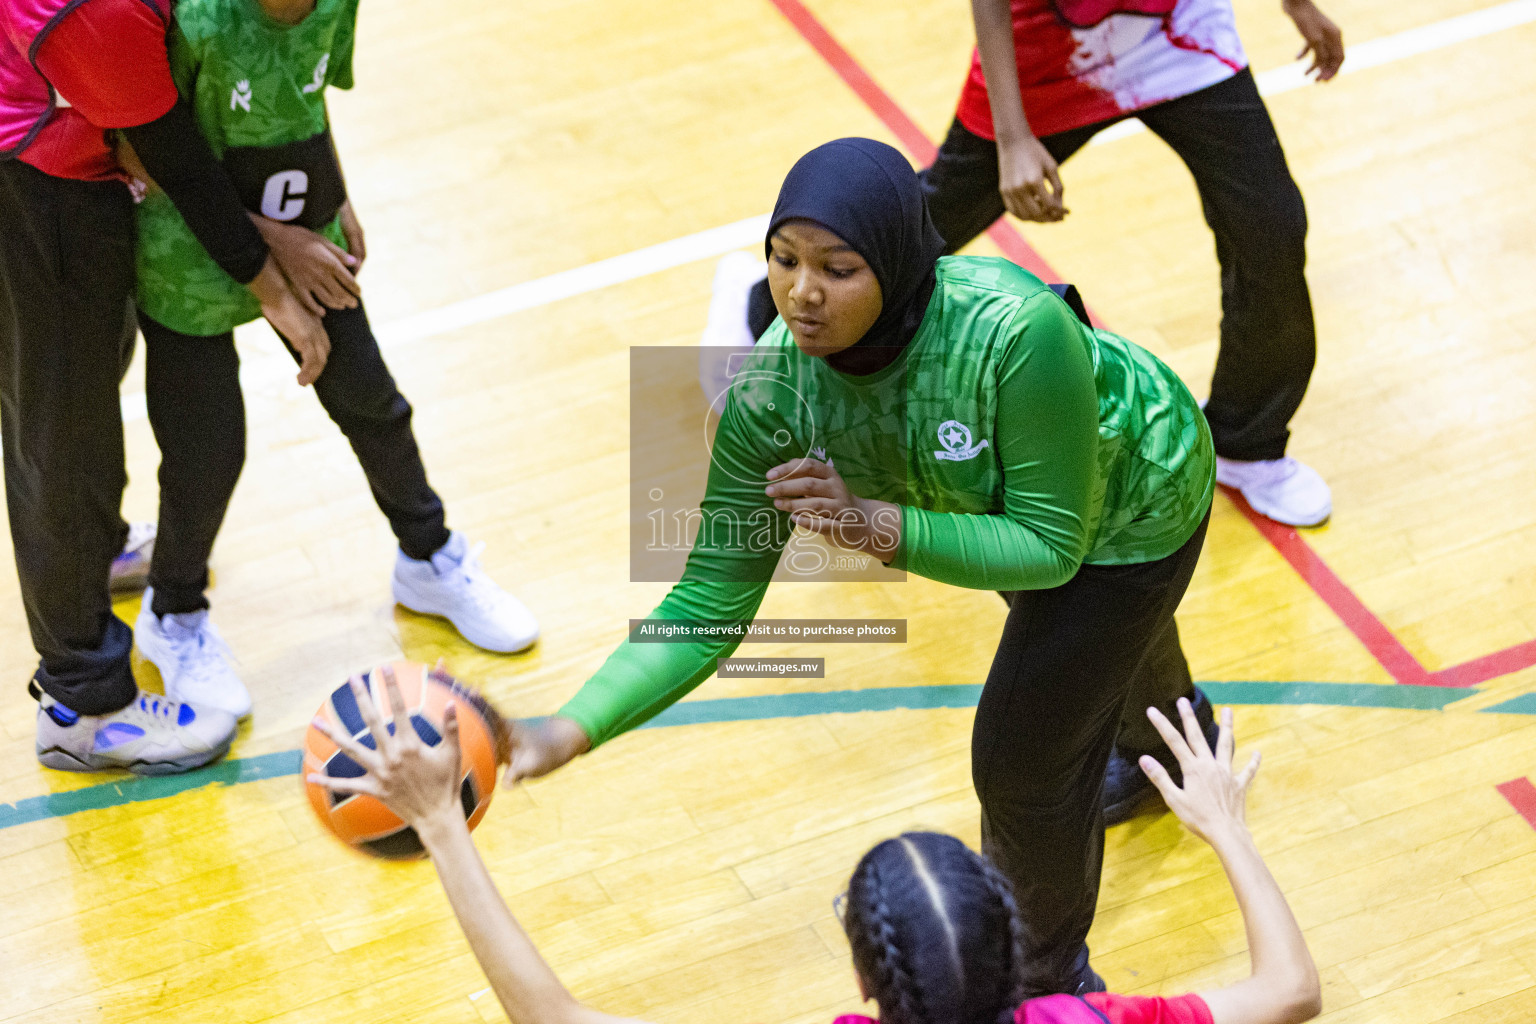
(851, 72)
(1522, 797)
(1490, 666)
(1399, 662)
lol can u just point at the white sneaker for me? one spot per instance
(130, 570)
(452, 585)
(726, 333)
(1283, 489)
(192, 657)
(152, 736)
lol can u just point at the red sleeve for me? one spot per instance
(1190, 1009)
(107, 58)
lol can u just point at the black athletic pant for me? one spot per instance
(66, 275)
(1160, 680)
(198, 416)
(1048, 715)
(1225, 137)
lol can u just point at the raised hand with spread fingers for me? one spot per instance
(1283, 986)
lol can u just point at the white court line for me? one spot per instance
(543, 290)
(747, 233)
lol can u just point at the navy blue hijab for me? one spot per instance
(867, 194)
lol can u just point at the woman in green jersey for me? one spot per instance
(969, 429)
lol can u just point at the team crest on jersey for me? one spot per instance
(956, 439)
(240, 96)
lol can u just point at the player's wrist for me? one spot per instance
(880, 527)
(1011, 138)
(440, 826)
(269, 286)
(1230, 837)
(565, 738)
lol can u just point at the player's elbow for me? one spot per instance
(1060, 569)
(1303, 998)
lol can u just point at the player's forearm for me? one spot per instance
(1283, 987)
(335, 153)
(175, 154)
(999, 64)
(980, 552)
(528, 989)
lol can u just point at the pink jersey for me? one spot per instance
(1070, 77)
(1106, 1006)
(69, 69)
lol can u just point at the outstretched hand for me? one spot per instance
(1212, 799)
(539, 746)
(414, 780)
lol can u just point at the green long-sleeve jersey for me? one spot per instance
(1018, 442)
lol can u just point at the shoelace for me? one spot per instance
(482, 591)
(156, 706)
(199, 649)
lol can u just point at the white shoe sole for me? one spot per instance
(63, 760)
(414, 602)
(1270, 512)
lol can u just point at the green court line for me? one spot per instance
(1349, 695)
(1525, 704)
(134, 789)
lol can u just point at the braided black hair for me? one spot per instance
(935, 933)
(890, 972)
(1003, 892)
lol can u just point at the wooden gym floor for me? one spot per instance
(685, 873)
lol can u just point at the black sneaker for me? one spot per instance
(1127, 790)
(1085, 978)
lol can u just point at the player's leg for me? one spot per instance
(1268, 342)
(436, 572)
(359, 394)
(196, 409)
(1046, 721)
(130, 569)
(66, 271)
(1160, 680)
(67, 279)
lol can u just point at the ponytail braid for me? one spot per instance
(1014, 983)
(895, 989)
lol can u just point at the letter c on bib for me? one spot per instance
(283, 198)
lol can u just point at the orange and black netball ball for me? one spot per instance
(365, 822)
